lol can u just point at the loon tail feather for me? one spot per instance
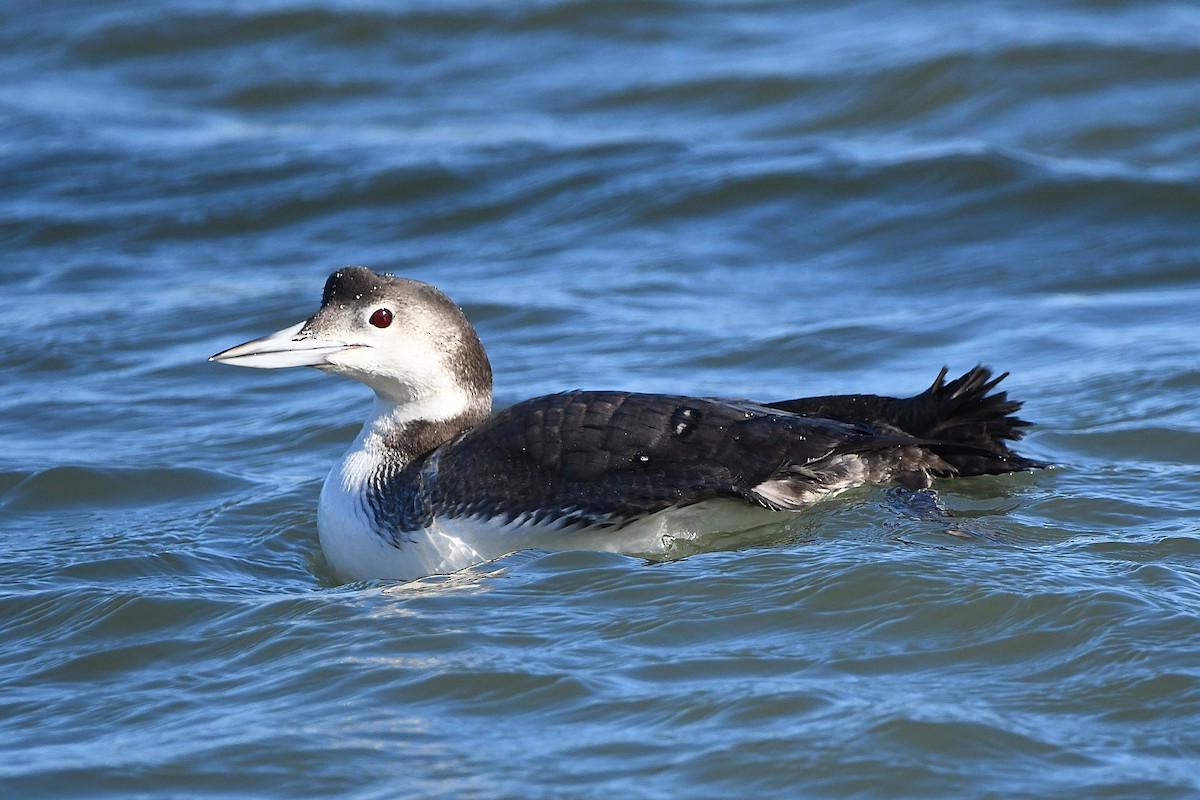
(971, 423)
(964, 421)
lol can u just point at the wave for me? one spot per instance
(76, 487)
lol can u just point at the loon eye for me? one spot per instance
(381, 318)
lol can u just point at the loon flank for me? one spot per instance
(435, 482)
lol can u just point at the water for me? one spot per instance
(747, 199)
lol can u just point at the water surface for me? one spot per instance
(755, 199)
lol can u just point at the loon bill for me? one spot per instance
(435, 482)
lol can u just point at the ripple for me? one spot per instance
(73, 487)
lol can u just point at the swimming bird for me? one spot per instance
(435, 482)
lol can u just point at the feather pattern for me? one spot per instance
(592, 458)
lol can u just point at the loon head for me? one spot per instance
(403, 338)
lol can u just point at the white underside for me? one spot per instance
(356, 552)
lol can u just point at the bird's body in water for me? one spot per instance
(435, 482)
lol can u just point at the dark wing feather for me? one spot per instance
(606, 456)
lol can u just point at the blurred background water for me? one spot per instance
(757, 199)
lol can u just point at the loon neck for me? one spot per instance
(400, 433)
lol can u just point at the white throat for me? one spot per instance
(345, 523)
(388, 422)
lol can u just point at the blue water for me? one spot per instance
(751, 199)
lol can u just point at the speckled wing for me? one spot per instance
(595, 457)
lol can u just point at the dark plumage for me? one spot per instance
(587, 458)
(960, 422)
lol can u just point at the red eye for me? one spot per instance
(381, 318)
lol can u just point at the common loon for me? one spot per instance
(435, 482)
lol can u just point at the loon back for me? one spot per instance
(592, 458)
(434, 482)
